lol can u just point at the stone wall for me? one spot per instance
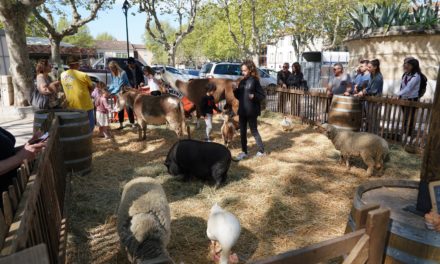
(392, 47)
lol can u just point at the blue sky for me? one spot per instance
(113, 22)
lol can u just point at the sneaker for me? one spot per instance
(129, 125)
(241, 156)
(260, 154)
(120, 127)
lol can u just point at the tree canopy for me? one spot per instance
(105, 36)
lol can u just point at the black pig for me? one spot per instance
(202, 160)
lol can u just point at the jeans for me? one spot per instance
(129, 113)
(208, 122)
(244, 120)
(91, 115)
(409, 116)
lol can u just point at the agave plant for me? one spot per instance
(425, 16)
(360, 19)
(385, 16)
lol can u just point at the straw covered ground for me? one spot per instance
(293, 197)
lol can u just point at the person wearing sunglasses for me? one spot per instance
(283, 75)
(340, 83)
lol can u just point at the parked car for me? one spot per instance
(192, 73)
(170, 74)
(99, 71)
(271, 72)
(231, 70)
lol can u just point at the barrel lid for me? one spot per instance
(398, 195)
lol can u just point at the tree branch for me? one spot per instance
(76, 16)
(231, 32)
(192, 20)
(47, 23)
(241, 23)
(150, 7)
(255, 34)
(77, 21)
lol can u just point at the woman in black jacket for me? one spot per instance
(249, 94)
(296, 79)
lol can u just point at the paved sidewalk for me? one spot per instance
(21, 128)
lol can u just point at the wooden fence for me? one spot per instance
(366, 245)
(393, 119)
(34, 210)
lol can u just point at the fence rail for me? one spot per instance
(364, 246)
(34, 207)
(396, 120)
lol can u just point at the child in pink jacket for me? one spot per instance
(102, 111)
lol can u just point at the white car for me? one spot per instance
(230, 70)
(170, 74)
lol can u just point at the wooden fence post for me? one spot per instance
(377, 228)
(431, 157)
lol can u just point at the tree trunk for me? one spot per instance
(172, 56)
(431, 157)
(56, 54)
(14, 20)
(296, 45)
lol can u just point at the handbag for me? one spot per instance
(39, 100)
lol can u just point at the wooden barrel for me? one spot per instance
(409, 241)
(75, 137)
(346, 113)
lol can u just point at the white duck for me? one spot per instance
(223, 228)
(287, 124)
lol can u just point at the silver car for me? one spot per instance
(230, 70)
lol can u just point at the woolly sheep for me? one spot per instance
(371, 148)
(144, 222)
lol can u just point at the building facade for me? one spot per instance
(118, 49)
(283, 51)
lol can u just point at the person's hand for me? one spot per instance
(234, 86)
(251, 96)
(30, 151)
(36, 135)
(347, 94)
(141, 84)
(56, 83)
(284, 86)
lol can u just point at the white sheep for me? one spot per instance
(144, 221)
(371, 148)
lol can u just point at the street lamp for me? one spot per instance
(125, 7)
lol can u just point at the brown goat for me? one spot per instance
(228, 129)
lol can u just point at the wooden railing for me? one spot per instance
(366, 245)
(36, 212)
(393, 119)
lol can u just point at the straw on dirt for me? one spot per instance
(293, 197)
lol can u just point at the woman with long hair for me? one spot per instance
(153, 84)
(249, 94)
(45, 86)
(375, 84)
(409, 90)
(119, 80)
(296, 79)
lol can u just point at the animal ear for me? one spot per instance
(178, 83)
(125, 89)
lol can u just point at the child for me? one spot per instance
(102, 110)
(208, 105)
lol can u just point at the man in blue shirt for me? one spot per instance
(362, 78)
